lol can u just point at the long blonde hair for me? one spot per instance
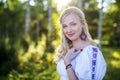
(65, 43)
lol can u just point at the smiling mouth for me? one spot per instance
(70, 35)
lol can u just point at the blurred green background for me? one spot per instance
(29, 35)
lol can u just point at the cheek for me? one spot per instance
(64, 31)
(79, 30)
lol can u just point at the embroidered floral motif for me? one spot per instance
(94, 56)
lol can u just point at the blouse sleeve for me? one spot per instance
(83, 68)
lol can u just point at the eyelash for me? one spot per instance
(73, 24)
(64, 26)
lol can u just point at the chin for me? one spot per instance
(72, 39)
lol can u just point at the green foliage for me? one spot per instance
(12, 19)
(26, 57)
(112, 25)
(112, 57)
(8, 57)
(34, 62)
(35, 70)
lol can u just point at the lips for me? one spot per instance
(71, 34)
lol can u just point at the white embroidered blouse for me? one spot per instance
(82, 65)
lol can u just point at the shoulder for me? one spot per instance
(92, 48)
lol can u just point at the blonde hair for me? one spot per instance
(65, 43)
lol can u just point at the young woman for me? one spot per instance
(77, 56)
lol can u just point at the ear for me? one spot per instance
(82, 23)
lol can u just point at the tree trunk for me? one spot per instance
(100, 24)
(37, 22)
(27, 17)
(50, 16)
(119, 23)
(80, 4)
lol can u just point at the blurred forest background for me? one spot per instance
(29, 35)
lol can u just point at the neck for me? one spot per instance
(80, 44)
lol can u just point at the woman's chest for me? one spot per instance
(81, 62)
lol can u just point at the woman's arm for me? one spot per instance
(70, 71)
(67, 61)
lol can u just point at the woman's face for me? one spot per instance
(72, 27)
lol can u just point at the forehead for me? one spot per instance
(70, 18)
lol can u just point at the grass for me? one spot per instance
(112, 57)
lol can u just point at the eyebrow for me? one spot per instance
(63, 24)
(70, 22)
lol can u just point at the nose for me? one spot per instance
(69, 29)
